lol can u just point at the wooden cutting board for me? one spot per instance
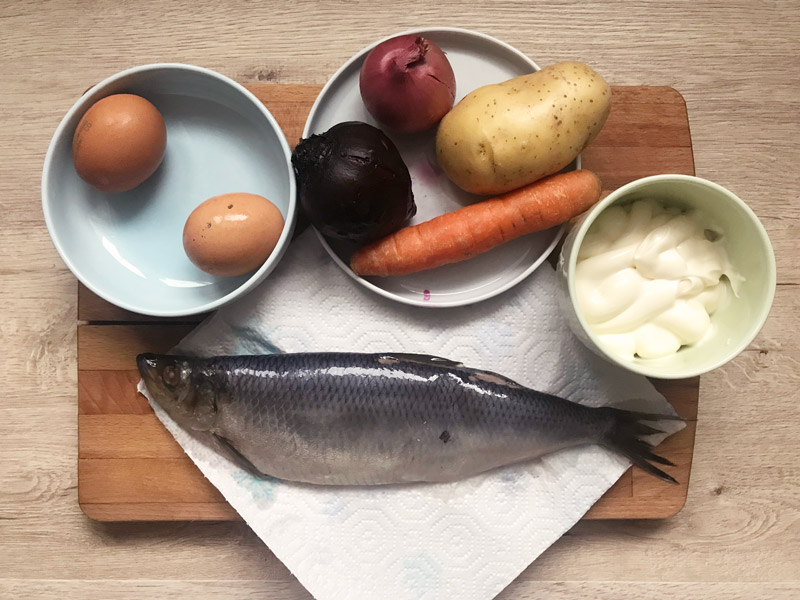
(131, 469)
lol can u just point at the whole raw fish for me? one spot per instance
(368, 419)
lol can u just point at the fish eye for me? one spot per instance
(171, 376)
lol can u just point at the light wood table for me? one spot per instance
(736, 63)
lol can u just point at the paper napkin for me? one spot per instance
(467, 539)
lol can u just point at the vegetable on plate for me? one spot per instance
(407, 83)
(478, 228)
(352, 183)
(504, 136)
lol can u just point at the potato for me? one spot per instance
(503, 136)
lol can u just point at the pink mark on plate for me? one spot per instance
(428, 171)
(426, 295)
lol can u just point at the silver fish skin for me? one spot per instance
(371, 419)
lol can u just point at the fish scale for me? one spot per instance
(370, 419)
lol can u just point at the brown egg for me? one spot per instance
(232, 234)
(119, 143)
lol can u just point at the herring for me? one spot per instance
(372, 419)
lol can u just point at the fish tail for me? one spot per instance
(624, 437)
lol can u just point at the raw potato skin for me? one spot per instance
(503, 136)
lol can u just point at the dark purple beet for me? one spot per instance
(352, 183)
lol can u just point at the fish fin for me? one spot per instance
(643, 429)
(491, 377)
(237, 457)
(635, 415)
(438, 361)
(423, 359)
(624, 435)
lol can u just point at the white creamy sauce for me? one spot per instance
(649, 277)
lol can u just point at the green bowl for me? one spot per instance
(735, 325)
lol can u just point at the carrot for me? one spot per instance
(477, 228)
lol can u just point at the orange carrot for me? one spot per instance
(477, 228)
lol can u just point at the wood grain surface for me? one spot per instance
(129, 470)
(735, 63)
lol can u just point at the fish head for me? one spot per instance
(182, 389)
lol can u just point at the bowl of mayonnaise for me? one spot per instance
(669, 276)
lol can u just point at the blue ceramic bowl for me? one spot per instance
(128, 247)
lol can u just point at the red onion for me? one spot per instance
(407, 83)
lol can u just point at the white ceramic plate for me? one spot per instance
(477, 60)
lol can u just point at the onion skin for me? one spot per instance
(352, 183)
(407, 83)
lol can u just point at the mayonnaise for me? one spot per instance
(649, 277)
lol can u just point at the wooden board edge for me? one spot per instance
(678, 506)
(96, 342)
(156, 512)
(688, 126)
(224, 512)
(92, 309)
(662, 510)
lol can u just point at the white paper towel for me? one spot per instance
(467, 539)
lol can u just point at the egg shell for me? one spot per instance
(232, 234)
(119, 143)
